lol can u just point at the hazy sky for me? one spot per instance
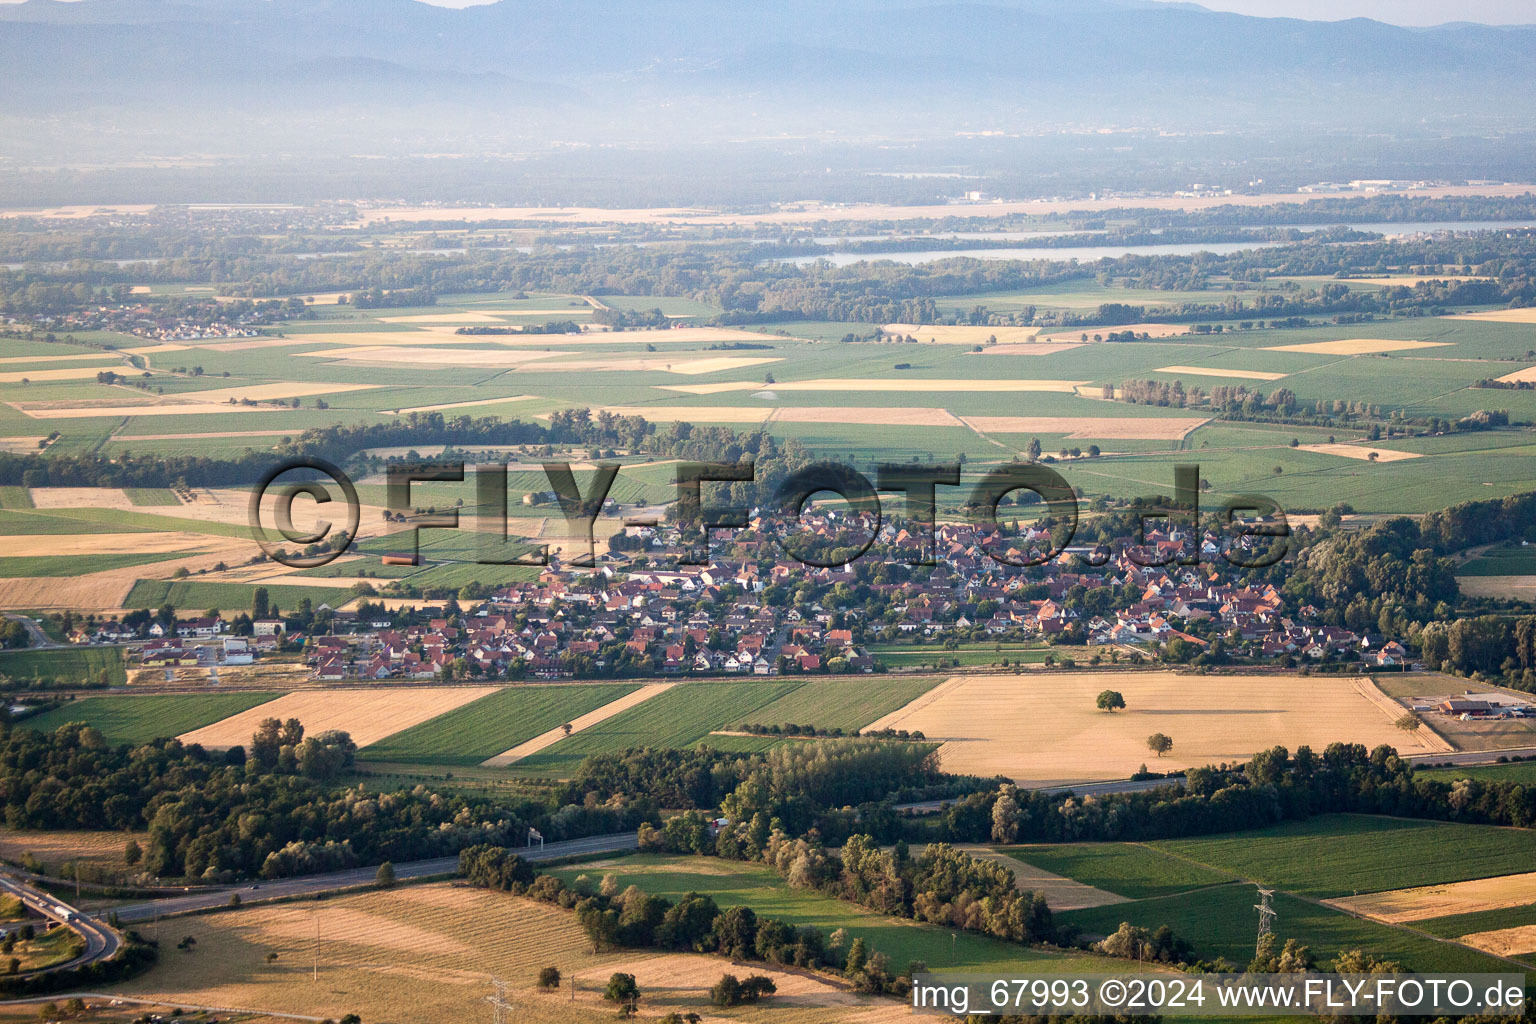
(1398, 12)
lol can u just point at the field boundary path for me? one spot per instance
(530, 747)
(1061, 892)
(1425, 734)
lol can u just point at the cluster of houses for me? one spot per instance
(752, 610)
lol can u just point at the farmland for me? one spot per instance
(733, 883)
(1219, 922)
(1131, 870)
(139, 719)
(368, 715)
(475, 731)
(86, 665)
(424, 953)
(1045, 729)
(680, 717)
(1340, 854)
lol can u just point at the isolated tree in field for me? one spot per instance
(621, 988)
(385, 877)
(1034, 449)
(1410, 723)
(1160, 743)
(132, 852)
(566, 728)
(1110, 700)
(549, 977)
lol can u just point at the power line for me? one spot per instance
(1266, 919)
(499, 1003)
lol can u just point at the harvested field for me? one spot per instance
(1044, 729)
(538, 362)
(1503, 588)
(425, 954)
(1361, 452)
(100, 849)
(1357, 346)
(80, 497)
(891, 417)
(1504, 941)
(1150, 330)
(591, 718)
(963, 334)
(466, 405)
(1039, 348)
(1525, 376)
(876, 384)
(1419, 904)
(1409, 280)
(19, 445)
(1061, 893)
(85, 543)
(693, 413)
(1206, 371)
(1158, 428)
(268, 392)
(1524, 315)
(167, 409)
(368, 715)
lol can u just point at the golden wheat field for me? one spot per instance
(1427, 901)
(1361, 452)
(963, 334)
(367, 714)
(1044, 729)
(1504, 941)
(1151, 428)
(1205, 371)
(427, 955)
(1357, 346)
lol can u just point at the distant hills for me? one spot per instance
(726, 69)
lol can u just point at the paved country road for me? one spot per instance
(311, 884)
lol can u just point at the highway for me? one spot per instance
(101, 942)
(353, 877)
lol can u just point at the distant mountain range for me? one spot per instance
(736, 68)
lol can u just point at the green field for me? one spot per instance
(1457, 925)
(1521, 772)
(680, 717)
(1511, 561)
(13, 496)
(1132, 870)
(1341, 854)
(75, 664)
(732, 883)
(195, 595)
(139, 719)
(1221, 922)
(76, 565)
(968, 656)
(151, 496)
(494, 723)
(844, 702)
